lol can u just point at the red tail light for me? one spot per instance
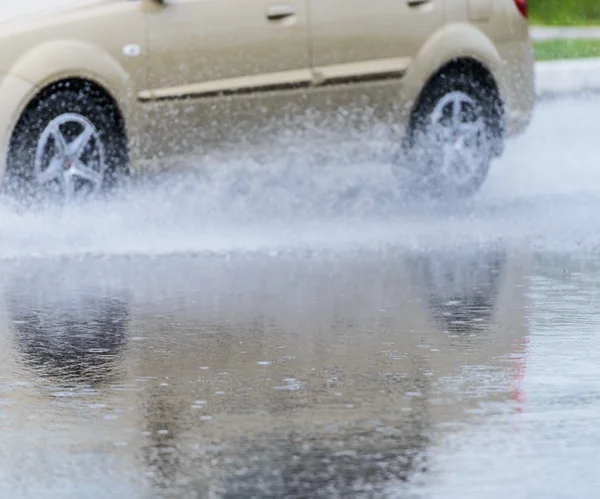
(522, 6)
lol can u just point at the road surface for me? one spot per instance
(282, 333)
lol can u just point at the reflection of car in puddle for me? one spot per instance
(299, 378)
(360, 461)
(360, 454)
(461, 287)
(69, 334)
(318, 452)
(275, 358)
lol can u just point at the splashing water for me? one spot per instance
(541, 191)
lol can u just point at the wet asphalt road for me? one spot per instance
(162, 346)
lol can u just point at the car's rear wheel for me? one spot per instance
(67, 146)
(454, 134)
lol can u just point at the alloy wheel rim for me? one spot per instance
(459, 132)
(70, 158)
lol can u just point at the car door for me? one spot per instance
(367, 37)
(360, 50)
(203, 53)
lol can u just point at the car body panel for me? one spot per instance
(15, 93)
(236, 41)
(354, 31)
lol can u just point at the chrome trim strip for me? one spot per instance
(338, 74)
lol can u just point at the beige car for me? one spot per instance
(93, 90)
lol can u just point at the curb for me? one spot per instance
(567, 76)
(545, 33)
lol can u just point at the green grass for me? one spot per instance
(566, 49)
(564, 12)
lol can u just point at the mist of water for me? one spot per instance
(545, 190)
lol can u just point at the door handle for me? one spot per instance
(416, 3)
(279, 12)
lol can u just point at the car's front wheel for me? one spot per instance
(454, 134)
(68, 146)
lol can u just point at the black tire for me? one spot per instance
(61, 99)
(423, 155)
